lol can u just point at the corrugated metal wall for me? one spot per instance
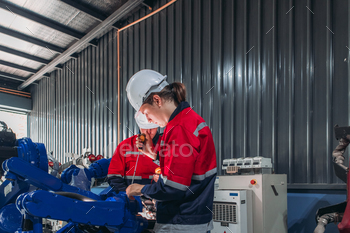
(270, 78)
(76, 107)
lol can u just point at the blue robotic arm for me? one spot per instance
(33, 154)
(116, 212)
(81, 177)
(18, 169)
(56, 200)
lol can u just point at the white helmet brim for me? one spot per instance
(142, 121)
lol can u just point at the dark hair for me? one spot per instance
(173, 92)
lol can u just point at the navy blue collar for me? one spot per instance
(179, 108)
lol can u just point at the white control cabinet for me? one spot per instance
(269, 200)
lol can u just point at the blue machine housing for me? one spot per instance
(30, 194)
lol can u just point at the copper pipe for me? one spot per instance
(9, 92)
(118, 51)
(14, 93)
(20, 92)
(147, 16)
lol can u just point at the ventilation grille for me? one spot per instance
(225, 212)
(232, 169)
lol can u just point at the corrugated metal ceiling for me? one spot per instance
(58, 12)
(106, 6)
(26, 47)
(20, 61)
(31, 28)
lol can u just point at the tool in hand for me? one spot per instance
(142, 138)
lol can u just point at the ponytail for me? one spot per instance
(179, 91)
(173, 92)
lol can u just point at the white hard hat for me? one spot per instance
(143, 123)
(142, 84)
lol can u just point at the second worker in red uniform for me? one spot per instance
(128, 164)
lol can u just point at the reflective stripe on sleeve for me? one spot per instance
(173, 184)
(136, 177)
(132, 153)
(199, 127)
(207, 174)
(117, 175)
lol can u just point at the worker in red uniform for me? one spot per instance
(185, 189)
(128, 164)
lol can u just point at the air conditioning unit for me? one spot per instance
(269, 200)
(232, 211)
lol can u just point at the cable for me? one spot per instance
(137, 160)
